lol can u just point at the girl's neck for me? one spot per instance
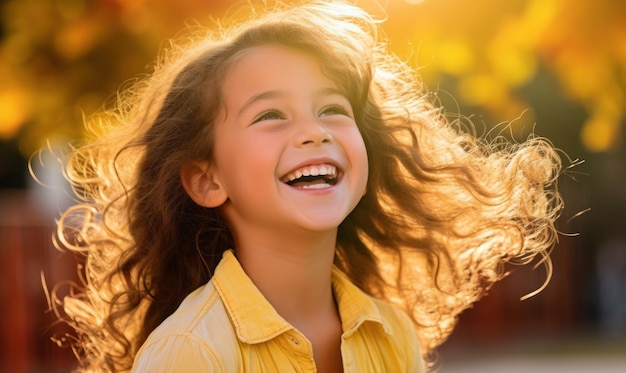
(293, 272)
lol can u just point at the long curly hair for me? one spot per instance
(444, 212)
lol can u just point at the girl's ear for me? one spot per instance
(202, 184)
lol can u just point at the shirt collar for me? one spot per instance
(255, 319)
(355, 307)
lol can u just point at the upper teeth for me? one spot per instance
(317, 170)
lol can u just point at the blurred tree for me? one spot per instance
(492, 50)
(60, 59)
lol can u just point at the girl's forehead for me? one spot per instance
(268, 50)
(270, 62)
(263, 60)
(273, 72)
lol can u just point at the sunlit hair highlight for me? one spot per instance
(443, 213)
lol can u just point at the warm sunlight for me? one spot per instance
(58, 54)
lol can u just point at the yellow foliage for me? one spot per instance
(77, 38)
(489, 48)
(600, 133)
(482, 90)
(455, 57)
(16, 107)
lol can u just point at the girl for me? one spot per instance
(282, 196)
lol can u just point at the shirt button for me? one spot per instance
(294, 340)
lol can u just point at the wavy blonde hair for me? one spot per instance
(444, 212)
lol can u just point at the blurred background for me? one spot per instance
(553, 67)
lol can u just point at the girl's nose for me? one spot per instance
(311, 132)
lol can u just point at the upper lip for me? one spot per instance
(313, 162)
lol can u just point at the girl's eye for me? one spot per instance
(335, 110)
(268, 115)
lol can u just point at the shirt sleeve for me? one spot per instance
(181, 353)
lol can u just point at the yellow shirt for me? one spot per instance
(228, 326)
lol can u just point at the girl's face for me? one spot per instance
(288, 152)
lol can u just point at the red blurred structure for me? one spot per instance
(26, 252)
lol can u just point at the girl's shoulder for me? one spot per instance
(395, 317)
(355, 305)
(375, 322)
(197, 336)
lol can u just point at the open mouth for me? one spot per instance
(312, 177)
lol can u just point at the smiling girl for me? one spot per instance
(284, 197)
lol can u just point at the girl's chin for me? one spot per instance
(322, 224)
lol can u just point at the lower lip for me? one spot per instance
(319, 190)
(322, 190)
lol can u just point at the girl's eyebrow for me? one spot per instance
(330, 91)
(268, 95)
